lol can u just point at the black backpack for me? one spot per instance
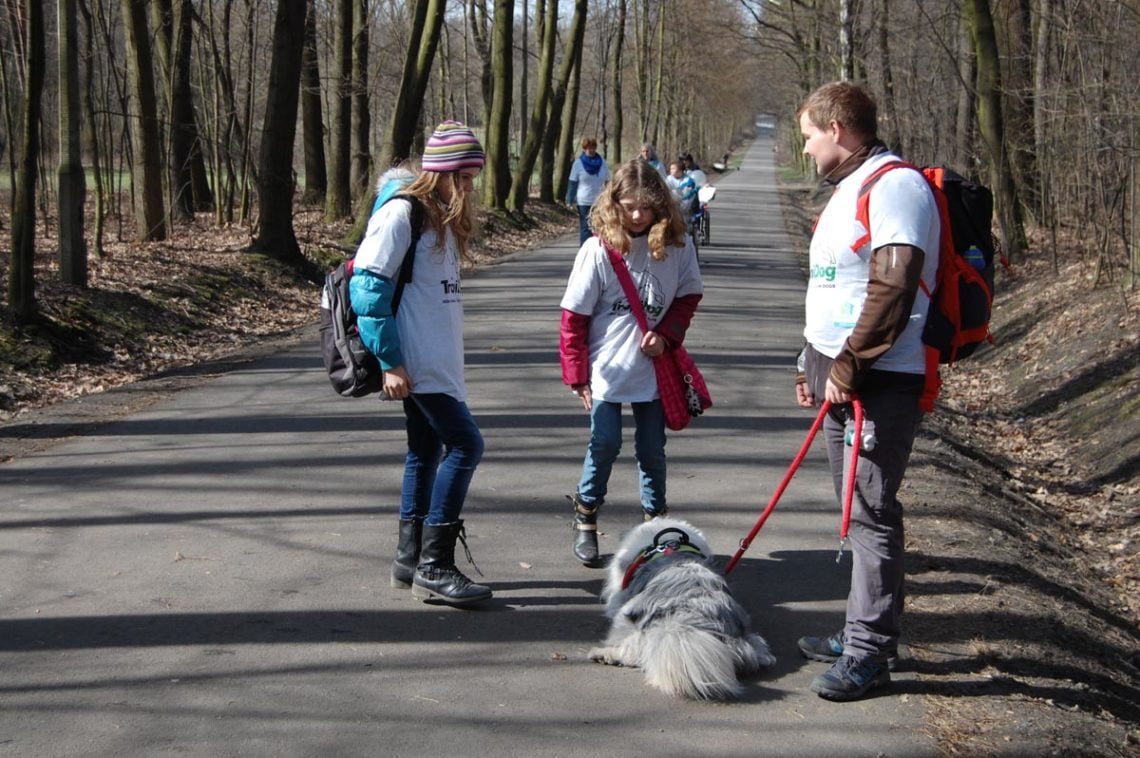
(352, 369)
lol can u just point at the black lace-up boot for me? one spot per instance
(407, 553)
(586, 532)
(436, 577)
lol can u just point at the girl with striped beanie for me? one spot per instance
(420, 349)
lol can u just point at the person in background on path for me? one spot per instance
(420, 348)
(692, 170)
(587, 176)
(649, 155)
(606, 359)
(684, 190)
(865, 310)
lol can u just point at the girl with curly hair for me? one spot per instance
(606, 359)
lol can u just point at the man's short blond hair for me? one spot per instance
(849, 104)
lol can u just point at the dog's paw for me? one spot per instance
(606, 655)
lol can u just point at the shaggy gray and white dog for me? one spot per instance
(676, 619)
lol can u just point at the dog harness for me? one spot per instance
(658, 548)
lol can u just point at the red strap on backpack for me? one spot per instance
(934, 178)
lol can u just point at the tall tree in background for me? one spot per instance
(313, 128)
(482, 38)
(566, 140)
(422, 44)
(616, 70)
(846, 41)
(72, 184)
(497, 180)
(520, 188)
(173, 52)
(146, 168)
(338, 196)
(276, 237)
(92, 130)
(189, 184)
(981, 24)
(361, 118)
(965, 117)
(571, 58)
(21, 273)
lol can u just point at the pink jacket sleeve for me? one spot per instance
(574, 348)
(675, 322)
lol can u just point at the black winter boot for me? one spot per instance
(436, 577)
(407, 553)
(586, 532)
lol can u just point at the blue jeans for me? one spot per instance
(583, 223)
(444, 447)
(605, 444)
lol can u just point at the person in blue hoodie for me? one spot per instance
(420, 348)
(587, 177)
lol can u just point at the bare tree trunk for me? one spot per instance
(570, 115)
(524, 79)
(1019, 103)
(338, 196)
(21, 272)
(316, 178)
(146, 169)
(992, 126)
(658, 88)
(547, 184)
(422, 45)
(520, 188)
(361, 120)
(72, 183)
(497, 183)
(92, 129)
(481, 36)
(618, 111)
(276, 237)
(641, 64)
(189, 186)
(893, 134)
(846, 42)
(964, 121)
(1040, 86)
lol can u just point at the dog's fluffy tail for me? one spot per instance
(687, 661)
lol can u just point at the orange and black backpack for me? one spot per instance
(961, 298)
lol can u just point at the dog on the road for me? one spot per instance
(673, 617)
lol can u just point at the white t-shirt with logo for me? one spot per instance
(902, 212)
(430, 317)
(619, 371)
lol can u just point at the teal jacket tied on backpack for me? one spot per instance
(380, 265)
(372, 297)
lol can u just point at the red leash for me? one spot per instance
(848, 495)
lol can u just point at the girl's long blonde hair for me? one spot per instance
(638, 180)
(459, 214)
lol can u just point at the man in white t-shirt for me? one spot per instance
(865, 310)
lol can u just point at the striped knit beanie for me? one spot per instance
(452, 147)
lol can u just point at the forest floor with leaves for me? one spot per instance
(1023, 497)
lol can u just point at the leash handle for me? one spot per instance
(747, 541)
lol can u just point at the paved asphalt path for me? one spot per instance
(209, 576)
